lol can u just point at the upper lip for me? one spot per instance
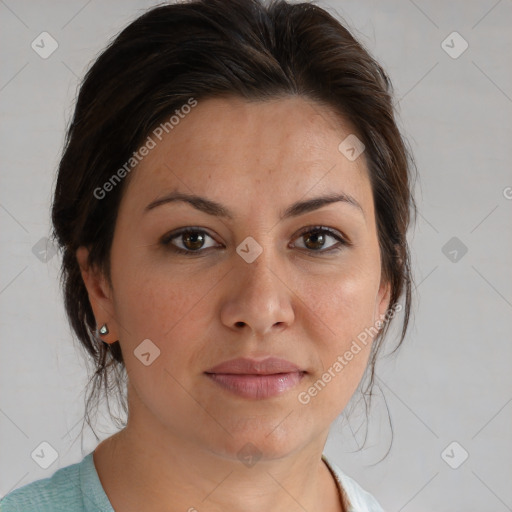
(267, 366)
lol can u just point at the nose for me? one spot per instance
(259, 299)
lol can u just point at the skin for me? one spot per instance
(179, 449)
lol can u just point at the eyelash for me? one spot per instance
(166, 240)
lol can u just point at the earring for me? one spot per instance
(103, 330)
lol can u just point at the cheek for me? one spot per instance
(340, 310)
(342, 301)
(173, 313)
(160, 306)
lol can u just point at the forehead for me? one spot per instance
(257, 151)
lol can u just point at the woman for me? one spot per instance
(232, 205)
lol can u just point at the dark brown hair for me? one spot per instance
(212, 48)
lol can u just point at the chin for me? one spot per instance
(257, 438)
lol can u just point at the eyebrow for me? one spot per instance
(218, 210)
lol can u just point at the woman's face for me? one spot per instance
(256, 282)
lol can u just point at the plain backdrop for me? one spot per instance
(448, 390)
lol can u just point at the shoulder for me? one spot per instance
(360, 499)
(60, 492)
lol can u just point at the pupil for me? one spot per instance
(195, 243)
(196, 240)
(316, 237)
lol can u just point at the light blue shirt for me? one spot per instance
(77, 488)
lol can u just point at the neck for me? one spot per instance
(161, 472)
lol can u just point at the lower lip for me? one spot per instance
(257, 386)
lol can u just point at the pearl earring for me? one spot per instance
(104, 330)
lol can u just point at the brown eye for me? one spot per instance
(316, 238)
(192, 241)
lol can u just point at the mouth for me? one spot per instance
(255, 379)
(257, 386)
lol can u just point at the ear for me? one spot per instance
(382, 301)
(100, 295)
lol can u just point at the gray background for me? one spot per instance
(451, 381)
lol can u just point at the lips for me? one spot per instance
(254, 379)
(268, 366)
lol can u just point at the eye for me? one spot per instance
(315, 238)
(192, 239)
